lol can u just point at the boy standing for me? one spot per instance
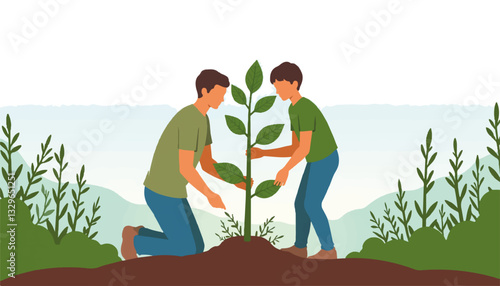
(312, 139)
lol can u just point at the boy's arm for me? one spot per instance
(186, 168)
(299, 155)
(286, 151)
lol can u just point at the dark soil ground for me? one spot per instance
(236, 262)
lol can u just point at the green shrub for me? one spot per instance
(470, 246)
(35, 247)
(494, 133)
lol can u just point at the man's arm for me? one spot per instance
(207, 164)
(186, 168)
(286, 151)
(299, 155)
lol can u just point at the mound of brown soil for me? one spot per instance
(236, 262)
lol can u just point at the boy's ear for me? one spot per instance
(295, 84)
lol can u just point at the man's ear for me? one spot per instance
(295, 84)
(204, 91)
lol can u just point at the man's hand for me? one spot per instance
(281, 177)
(256, 153)
(243, 185)
(216, 201)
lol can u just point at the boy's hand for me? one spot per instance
(243, 185)
(216, 201)
(256, 153)
(281, 177)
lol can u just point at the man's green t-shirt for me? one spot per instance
(306, 116)
(188, 130)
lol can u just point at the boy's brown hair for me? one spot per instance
(287, 71)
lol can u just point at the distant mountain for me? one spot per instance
(349, 232)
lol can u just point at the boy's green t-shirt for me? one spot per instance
(306, 116)
(188, 130)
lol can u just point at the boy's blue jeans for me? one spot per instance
(312, 190)
(181, 235)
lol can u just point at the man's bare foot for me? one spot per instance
(128, 249)
(300, 252)
(323, 254)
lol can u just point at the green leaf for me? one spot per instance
(49, 212)
(93, 235)
(8, 122)
(435, 224)
(469, 214)
(269, 134)
(496, 112)
(64, 232)
(4, 156)
(431, 209)
(2, 144)
(450, 182)
(433, 157)
(64, 186)
(70, 220)
(32, 195)
(254, 77)
(264, 104)
(490, 133)
(411, 230)
(453, 219)
(451, 205)
(5, 131)
(492, 152)
(14, 139)
(18, 172)
(266, 189)
(238, 95)
(5, 175)
(51, 228)
(235, 125)
(419, 211)
(63, 212)
(429, 138)
(494, 173)
(419, 172)
(61, 152)
(229, 173)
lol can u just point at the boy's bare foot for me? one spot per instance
(323, 254)
(128, 249)
(300, 252)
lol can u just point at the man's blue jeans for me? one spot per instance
(181, 235)
(312, 190)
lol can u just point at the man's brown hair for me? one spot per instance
(209, 79)
(287, 71)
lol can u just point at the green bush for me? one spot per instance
(35, 247)
(470, 246)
